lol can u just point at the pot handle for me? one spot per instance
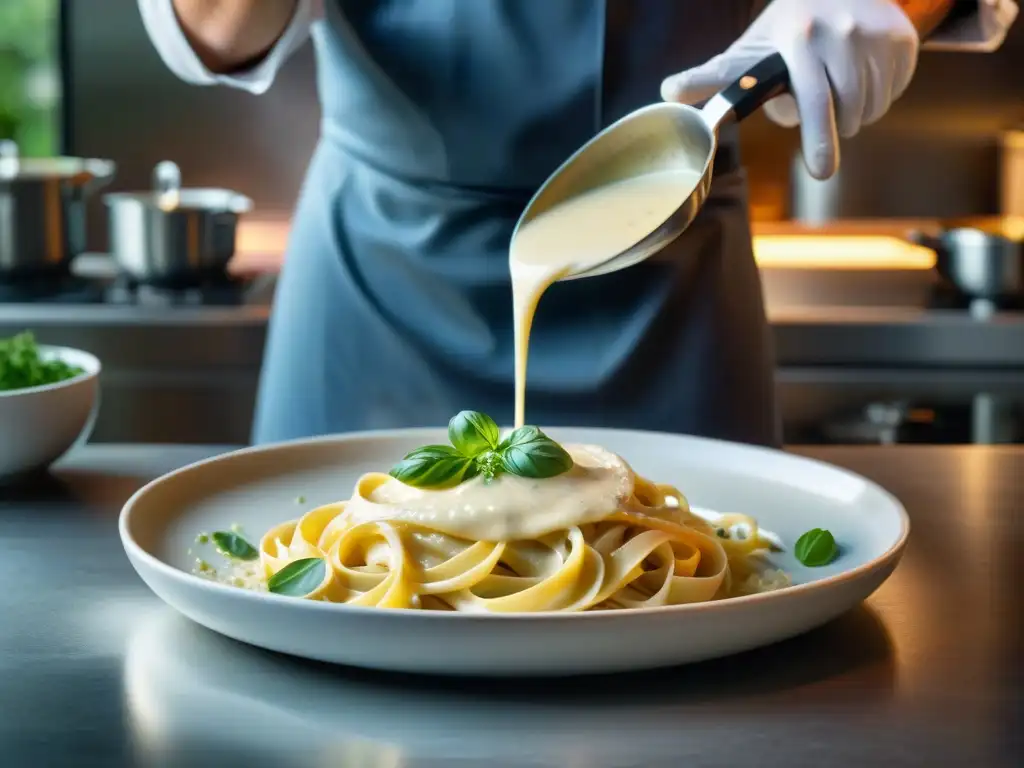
(98, 174)
(8, 158)
(101, 173)
(749, 92)
(167, 184)
(166, 178)
(925, 240)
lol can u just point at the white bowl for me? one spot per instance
(38, 425)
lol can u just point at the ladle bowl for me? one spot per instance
(660, 137)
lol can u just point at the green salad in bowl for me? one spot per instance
(49, 398)
(22, 365)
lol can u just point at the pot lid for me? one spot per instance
(168, 195)
(14, 167)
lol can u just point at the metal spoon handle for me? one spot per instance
(749, 92)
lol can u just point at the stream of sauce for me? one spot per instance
(579, 233)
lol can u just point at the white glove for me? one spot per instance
(848, 61)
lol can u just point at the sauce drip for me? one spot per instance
(579, 233)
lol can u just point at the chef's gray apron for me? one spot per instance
(440, 120)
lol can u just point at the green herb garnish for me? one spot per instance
(232, 545)
(473, 433)
(434, 466)
(299, 577)
(815, 548)
(202, 538)
(528, 452)
(21, 366)
(475, 449)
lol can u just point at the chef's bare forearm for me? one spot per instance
(926, 15)
(229, 35)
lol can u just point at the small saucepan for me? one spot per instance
(980, 264)
(171, 234)
(42, 210)
(660, 137)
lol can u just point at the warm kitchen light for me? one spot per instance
(261, 245)
(840, 252)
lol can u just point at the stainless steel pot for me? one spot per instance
(42, 209)
(171, 234)
(980, 264)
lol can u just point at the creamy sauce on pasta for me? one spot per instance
(507, 507)
(579, 233)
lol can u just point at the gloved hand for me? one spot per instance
(848, 61)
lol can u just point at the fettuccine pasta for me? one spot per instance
(596, 537)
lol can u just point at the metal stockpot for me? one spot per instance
(980, 264)
(42, 209)
(173, 234)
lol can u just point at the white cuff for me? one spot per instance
(165, 32)
(983, 32)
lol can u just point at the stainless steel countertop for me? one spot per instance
(95, 671)
(897, 337)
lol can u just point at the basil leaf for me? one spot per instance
(521, 435)
(528, 452)
(433, 466)
(299, 577)
(815, 548)
(472, 433)
(232, 545)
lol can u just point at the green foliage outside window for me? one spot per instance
(29, 75)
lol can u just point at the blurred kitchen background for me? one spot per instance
(874, 344)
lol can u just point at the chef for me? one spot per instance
(442, 117)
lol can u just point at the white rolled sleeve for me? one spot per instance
(982, 32)
(169, 39)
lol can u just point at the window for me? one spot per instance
(30, 75)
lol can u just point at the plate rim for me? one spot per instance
(136, 552)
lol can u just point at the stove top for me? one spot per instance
(50, 288)
(221, 290)
(945, 296)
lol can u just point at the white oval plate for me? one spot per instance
(259, 487)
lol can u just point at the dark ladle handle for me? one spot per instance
(749, 92)
(917, 237)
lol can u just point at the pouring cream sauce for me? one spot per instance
(582, 232)
(576, 234)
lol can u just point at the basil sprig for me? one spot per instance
(232, 545)
(299, 577)
(475, 449)
(815, 548)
